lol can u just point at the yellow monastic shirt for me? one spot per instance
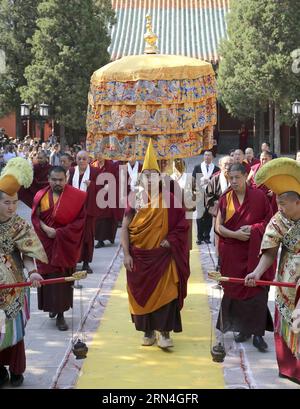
(45, 203)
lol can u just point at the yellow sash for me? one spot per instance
(230, 209)
(45, 202)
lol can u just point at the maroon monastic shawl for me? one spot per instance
(150, 265)
(238, 258)
(63, 251)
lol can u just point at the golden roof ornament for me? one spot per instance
(150, 38)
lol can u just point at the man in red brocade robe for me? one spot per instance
(84, 177)
(241, 221)
(265, 157)
(106, 221)
(60, 228)
(40, 179)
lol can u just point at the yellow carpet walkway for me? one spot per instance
(117, 360)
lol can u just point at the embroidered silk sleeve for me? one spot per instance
(274, 232)
(26, 240)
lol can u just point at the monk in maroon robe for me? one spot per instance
(106, 220)
(40, 179)
(60, 228)
(241, 221)
(155, 245)
(239, 157)
(84, 177)
(249, 157)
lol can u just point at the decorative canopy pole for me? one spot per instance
(215, 275)
(79, 275)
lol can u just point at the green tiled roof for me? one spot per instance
(184, 27)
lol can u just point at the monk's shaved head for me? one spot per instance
(289, 205)
(293, 196)
(238, 167)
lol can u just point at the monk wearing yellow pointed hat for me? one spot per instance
(19, 246)
(155, 244)
(282, 176)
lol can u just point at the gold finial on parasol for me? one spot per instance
(150, 38)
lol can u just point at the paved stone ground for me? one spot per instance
(50, 364)
(244, 366)
(47, 348)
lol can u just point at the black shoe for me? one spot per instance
(199, 242)
(52, 314)
(259, 343)
(207, 241)
(16, 380)
(4, 376)
(112, 241)
(86, 267)
(99, 245)
(61, 323)
(241, 337)
(281, 375)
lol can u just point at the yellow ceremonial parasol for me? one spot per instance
(170, 98)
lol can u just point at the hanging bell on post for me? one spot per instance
(80, 349)
(218, 352)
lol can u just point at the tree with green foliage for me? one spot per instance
(69, 44)
(256, 61)
(17, 24)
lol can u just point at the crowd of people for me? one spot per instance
(79, 200)
(29, 148)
